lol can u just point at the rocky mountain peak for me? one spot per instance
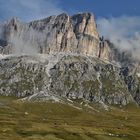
(55, 34)
(62, 33)
(84, 24)
(13, 21)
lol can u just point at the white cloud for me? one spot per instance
(29, 9)
(123, 31)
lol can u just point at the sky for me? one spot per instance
(32, 9)
(117, 20)
(103, 8)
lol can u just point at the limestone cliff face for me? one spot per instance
(86, 33)
(105, 51)
(62, 33)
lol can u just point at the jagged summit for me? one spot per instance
(62, 33)
(13, 20)
(55, 34)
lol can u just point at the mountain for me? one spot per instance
(63, 57)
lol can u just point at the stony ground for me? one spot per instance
(68, 76)
(55, 121)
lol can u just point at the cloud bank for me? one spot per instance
(123, 31)
(29, 9)
(27, 41)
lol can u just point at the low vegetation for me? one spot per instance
(56, 121)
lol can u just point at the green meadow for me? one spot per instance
(57, 121)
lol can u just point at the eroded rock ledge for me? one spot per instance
(65, 76)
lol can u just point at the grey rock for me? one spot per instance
(63, 76)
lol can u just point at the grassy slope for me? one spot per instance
(55, 121)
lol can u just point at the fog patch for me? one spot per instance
(123, 32)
